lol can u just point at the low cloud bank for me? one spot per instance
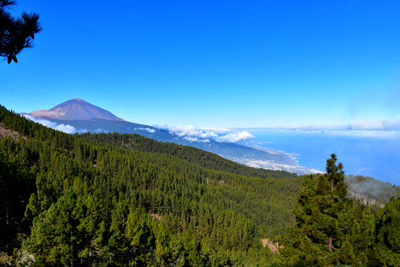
(66, 128)
(371, 128)
(385, 125)
(369, 125)
(193, 134)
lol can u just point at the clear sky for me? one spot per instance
(213, 63)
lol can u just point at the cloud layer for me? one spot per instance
(385, 125)
(366, 125)
(369, 128)
(66, 128)
(193, 134)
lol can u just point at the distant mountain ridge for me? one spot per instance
(75, 109)
(370, 191)
(85, 117)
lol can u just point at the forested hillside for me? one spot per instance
(72, 200)
(124, 200)
(370, 191)
(200, 157)
(332, 230)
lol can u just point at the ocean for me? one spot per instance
(373, 156)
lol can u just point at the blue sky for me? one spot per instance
(213, 63)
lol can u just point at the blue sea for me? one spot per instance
(373, 156)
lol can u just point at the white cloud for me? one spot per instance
(190, 130)
(66, 128)
(356, 128)
(214, 129)
(191, 139)
(385, 125)
(195, 139)
(193, 134)
(366, 133)
(149, 130)
(234, 137)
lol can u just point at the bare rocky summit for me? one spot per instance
(75, 109)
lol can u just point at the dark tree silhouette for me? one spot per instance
(16, 33)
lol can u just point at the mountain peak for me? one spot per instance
(75, 109)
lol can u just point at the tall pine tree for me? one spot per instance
(387, 251)
(319, 236)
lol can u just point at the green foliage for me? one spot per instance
(202, 158)
(387, 251)
(16, 184)
(327, 230)
(369, 191)
(16, 33)
(331, 230)
(91, 201)
(94, 203)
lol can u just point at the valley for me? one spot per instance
(77, 120)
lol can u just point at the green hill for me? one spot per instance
(370, 191)
(200, 157)
(118, 200)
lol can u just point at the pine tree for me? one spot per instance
(91, 202)
(359, 222)
(16, 33)
(318, 238)
(387, 252)
(54, 237)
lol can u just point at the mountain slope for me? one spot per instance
(85, 117)
(75, 109)
(202, 158)
(90, 201)
(239, 153)
(370, 191)
(109, 205)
